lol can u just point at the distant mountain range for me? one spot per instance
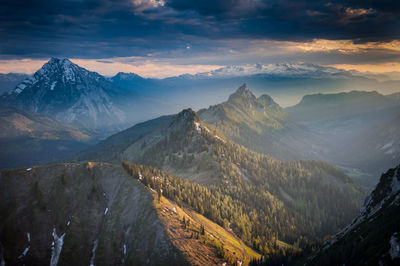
(69, 93)
(319, 127)
(358, 130)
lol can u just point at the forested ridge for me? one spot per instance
(254, 213)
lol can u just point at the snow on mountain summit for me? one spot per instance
(69, 93)
(279, 69)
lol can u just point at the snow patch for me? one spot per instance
(56, 247)
(198, 128)
(28, 169)
(394, 247)
(68, 223)
(53, 85)
(390, 151)
(22, 86)
(106, 211)
(24, 252)
(387, 145)
(96, 242)
(28, 235)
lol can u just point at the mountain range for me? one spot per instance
(244, 181)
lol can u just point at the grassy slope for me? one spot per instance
(201, 251)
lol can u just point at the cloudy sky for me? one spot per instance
(161, 38)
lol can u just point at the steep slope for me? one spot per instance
(75, 214)
(373, 237)
(261, 125)
(28, 138)
(70, 94)
(212, 245)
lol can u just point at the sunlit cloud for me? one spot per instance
(27, 66)
(373, 68)
(378, 57)
(341, 46)
(357, 12)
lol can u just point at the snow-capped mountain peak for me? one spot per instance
(69, 93)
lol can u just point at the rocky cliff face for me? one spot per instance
(373, 236)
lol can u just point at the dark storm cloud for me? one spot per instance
(106, 28)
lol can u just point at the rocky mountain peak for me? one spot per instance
(242, 92)
(188, 115)
(267, 101)
(126, 76)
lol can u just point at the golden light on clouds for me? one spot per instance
(342, 46)
(376, 68)
(154, 67)
(28, 66)
(356, 12)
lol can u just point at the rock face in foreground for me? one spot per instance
(80, 214)
(373, 237)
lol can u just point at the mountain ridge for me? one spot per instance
(373, 236)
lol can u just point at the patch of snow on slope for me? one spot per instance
(198, 128)
(390, 151)
(28, 236)
(96, 242)
(394, 247)
(56, 247)
(387, 145)
(53, 85)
